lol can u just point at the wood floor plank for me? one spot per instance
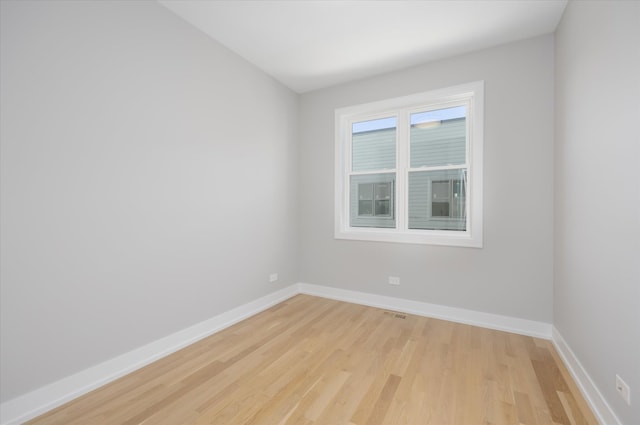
(524, 409)
(585, 414)
(381, 406)
(316, 361)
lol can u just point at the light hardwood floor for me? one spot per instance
(311, 360)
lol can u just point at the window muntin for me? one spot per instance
(419, 146)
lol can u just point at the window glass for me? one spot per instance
(438, 137)
(383, 199)
(372, 200)
(365, 199)
(373, 145)
(437, 200)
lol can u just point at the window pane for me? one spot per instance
(383, 190)
(365, 208)
(372, 200)
(365, 191)
(438, 137)
(459, 207)
(437, 200)
(373, 145)
(382, 208)
(440, 209)
(365, 199)
(383, 199)
(441, 190)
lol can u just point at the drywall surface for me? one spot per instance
(512, 274)
(597, 199)
(148, 183)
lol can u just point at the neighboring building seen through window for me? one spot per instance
(437, 155)
(373, 154)
(447, 199)
(375, 199)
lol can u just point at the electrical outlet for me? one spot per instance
(273, 277)
(623, 389)
(393, 280)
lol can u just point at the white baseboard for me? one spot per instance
(590, 392)
(35, 403)
(453, 314)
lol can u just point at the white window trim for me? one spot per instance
(472, 95)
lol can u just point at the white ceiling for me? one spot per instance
(308, 45)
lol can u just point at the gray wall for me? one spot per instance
(148, 183)
(136, 154)
(512, 274)
(597, 202)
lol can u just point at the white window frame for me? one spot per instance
(470, 95)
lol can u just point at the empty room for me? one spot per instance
(319, 212)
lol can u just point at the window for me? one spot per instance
(375, 199)
(410, 169)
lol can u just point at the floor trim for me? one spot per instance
(35, 403)
(590, 392)
(453, 314)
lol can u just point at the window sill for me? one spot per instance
(441, 238)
